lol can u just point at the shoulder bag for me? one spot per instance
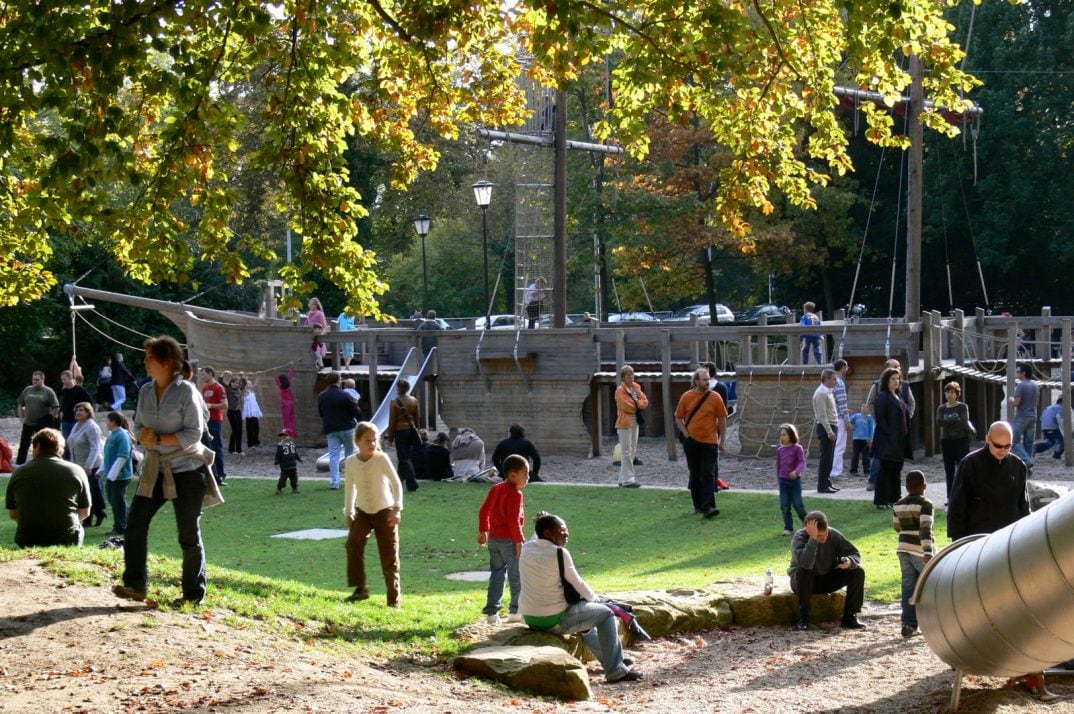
(639, 413)
(683, 438)
(570, 593)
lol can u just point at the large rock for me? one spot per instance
(522, 636)
(543, 670)
(662, 612)
(1040, 495)
(751, 607)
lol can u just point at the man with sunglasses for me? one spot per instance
(989, 490)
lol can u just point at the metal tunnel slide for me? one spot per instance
(1002, 604)
(413, 370)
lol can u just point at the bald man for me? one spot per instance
(989, 491)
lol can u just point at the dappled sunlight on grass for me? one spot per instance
(621, 540)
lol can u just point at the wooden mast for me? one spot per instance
(915, 190)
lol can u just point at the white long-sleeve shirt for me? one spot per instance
(371, 486)
(542, 591)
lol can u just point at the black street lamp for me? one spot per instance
(422, 224)
(483, 196)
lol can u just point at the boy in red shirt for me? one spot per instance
(499, 526)
(216, 399)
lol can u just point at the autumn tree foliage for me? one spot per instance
(123, 123)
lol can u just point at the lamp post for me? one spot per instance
(421, 225)
(483, 197)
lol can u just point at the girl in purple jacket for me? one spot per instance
(790, 463)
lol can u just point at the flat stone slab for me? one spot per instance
(547, 671)
(469, 576)
(314, 534)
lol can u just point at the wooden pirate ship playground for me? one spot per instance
(559, 382)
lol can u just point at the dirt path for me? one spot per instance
(79, 649)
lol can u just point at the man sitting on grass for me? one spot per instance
(823, 560)
(47, 496)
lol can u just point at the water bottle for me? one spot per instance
(768, 582)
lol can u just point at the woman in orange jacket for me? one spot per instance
(630, 400)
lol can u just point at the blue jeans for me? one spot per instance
(216, 431)
(1052, 438)
(119, 395)
(790, 494)
(911, 565)
(340, 446)
(502, 561)
(808, 342)
(601, 636)
(1025, 431)
(189, 491)
(116, 492)
(874, 469)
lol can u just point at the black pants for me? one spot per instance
(405, 440)
(234, 420)
(288, 475)
(97, 505)
(953, 451)
(806, 583)
(702, 459)
(189, 492)
(888, 487)
(253, 431)
(27, 435)
(861, 450)
(827, 456)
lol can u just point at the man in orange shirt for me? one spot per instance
(702, 417)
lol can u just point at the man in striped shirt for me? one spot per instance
(912, 520)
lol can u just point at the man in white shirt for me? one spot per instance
(827, 427)
(842, 408)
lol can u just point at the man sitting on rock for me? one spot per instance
(556, 599)
(47, 496)
(823, 560)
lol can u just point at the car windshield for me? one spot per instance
(686, 312)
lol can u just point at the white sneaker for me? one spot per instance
(493, 619)
(514, 617)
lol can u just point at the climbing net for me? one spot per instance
(533, 200)
(761, 412)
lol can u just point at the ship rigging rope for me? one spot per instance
(102, 334)
(248, 373)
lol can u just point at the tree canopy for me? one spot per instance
(131, 125)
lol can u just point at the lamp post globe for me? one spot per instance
(483, 197)
(421, 225)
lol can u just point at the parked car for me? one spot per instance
(546, 320)
(724, 316)
(630, 317)
(499, 322)
(776, 314)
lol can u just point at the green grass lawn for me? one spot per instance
(621, 539)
